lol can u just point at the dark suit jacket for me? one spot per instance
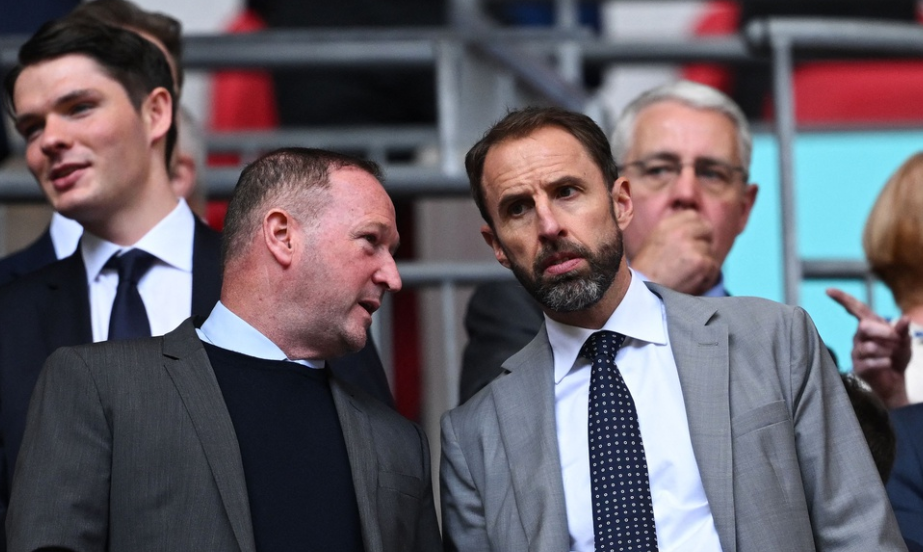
(33, 257)
(50, 308)
(905, 486)
(129, 447)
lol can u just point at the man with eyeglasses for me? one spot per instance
(685, 149)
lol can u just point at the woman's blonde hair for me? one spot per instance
(893, 236)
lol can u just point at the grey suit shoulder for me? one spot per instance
(763, 401)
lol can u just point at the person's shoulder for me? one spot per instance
(22, 290)
(376, 411)
(729, 306)
(911, 416)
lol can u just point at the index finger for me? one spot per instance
(852, 305)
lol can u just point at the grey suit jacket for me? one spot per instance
(129, 447)
(782, 460)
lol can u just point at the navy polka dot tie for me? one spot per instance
(623, 516)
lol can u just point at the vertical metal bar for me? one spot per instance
(569, 58)
(382, 331)
(451, 364)
(870, 291)
(448, 86)
(785, 132)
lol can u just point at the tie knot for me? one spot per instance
(602, 343)
(132, 265)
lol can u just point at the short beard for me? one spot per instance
(572, 292)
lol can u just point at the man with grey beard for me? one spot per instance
(640, 418)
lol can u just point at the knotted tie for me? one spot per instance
(129, 317)
(623, 516)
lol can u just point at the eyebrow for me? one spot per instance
(518, 196)
(70, 97)
(670, 156)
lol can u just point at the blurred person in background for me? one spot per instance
(888, 354)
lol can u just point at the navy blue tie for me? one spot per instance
(623, 515)
(129, 317)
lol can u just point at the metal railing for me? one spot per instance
(481, 70)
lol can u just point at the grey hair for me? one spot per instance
(691, 94)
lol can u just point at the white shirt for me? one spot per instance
(65, 235)
(225, 329)
(166, 288)
(681, 512)
(914, 374)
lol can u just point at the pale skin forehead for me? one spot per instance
(43, 86)
(358, 200)
(518, 165)
(672, 127)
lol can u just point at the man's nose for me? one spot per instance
(54, 136)
(686, 192)
(549, 224)
(388, 276)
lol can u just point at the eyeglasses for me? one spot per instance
(715, 177)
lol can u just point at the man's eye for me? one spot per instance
(371, 238)
(660, 170)
(80, 107)
(30, 131)
(713, 173)
(516, 209)
(566, 191)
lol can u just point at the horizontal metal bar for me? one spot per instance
(18, 186)
(360, 138)
(731, 49)
(834, 269)
(840, 35)
(347, 47)
(458, 273)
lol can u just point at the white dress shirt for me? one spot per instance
(166, 288)
(681, 512)
(914, 374)
(65, 235)
(225, 329)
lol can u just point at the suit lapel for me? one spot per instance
(700, 349)
(187, 364)
(524, 401)
(206, 269)
(363, 462)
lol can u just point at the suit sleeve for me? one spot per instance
(905, 487)
(847, 503)
(428, 537)
(501, 319)
(60, 492)
(464, 525)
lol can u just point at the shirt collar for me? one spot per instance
(716, 291)
(65, 234)
(225, 329)
(640, 316)
(167, 241)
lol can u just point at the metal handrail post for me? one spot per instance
(784, 95)
(452, 374)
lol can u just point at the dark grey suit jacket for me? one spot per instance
(782, 459)
(129, 447)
